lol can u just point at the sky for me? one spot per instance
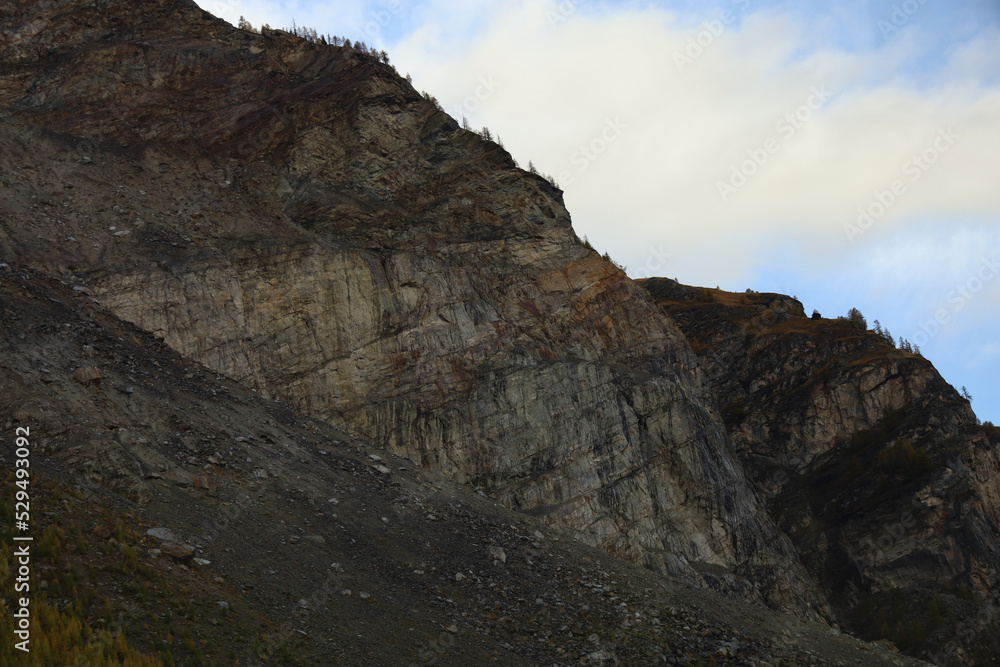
(844, 152)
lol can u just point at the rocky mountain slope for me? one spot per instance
(294, 216)
(376, 266)
(875, 467)
(211, 526)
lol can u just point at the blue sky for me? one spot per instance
(844, 152)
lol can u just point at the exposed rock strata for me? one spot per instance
(811, 406)
(298, 217)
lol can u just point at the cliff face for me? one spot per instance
(873, 465)
(297, 217)
(311, 547)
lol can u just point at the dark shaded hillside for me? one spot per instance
(871, 462)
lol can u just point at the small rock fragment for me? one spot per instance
(88, 376)
(181, 553)
(205, 483)
(162, 533)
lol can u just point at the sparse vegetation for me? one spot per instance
(313, 36)
(884, 333)
(550, 179)
(735, 411)
(607, 258)
(890, 616)
(878, 434)
(65, 627)
(433, 100)
(901, 458)
(853, 469)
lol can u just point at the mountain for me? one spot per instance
(872, 464)
(265, 279)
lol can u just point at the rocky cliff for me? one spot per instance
(295, 216)
(180, 518)
(875, 467)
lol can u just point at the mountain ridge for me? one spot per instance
(297, 217)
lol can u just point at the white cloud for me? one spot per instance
(658, 182)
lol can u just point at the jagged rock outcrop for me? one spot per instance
(296, 216)
(872, 463)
